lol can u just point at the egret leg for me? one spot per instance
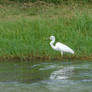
(61, 53)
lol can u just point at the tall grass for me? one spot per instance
(26, 31)
(30, 36)
(48, 1)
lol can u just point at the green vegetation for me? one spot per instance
(25, 29)
(48, 1)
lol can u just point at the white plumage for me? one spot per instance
(60, 46)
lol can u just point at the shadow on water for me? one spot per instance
(46, 76)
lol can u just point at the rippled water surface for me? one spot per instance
(46, 76)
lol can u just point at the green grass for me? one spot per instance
(24, 34)
(48, 1)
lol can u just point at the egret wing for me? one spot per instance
(63, 47)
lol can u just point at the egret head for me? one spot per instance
(52, 37)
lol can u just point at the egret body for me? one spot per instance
(60, 46)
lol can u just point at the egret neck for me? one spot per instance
(52, 44)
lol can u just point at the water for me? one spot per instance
(51, 76)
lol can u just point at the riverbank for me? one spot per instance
(44, 58)
(25, 29)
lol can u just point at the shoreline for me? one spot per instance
(40, 58)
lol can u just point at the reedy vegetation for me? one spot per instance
(23, 34)
(48, 1)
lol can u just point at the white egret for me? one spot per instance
(60, 46)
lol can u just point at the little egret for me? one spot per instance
(60, 46)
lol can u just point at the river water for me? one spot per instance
(46, 76)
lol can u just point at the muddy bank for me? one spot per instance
(30, 58)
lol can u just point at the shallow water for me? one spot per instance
(46, 76)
